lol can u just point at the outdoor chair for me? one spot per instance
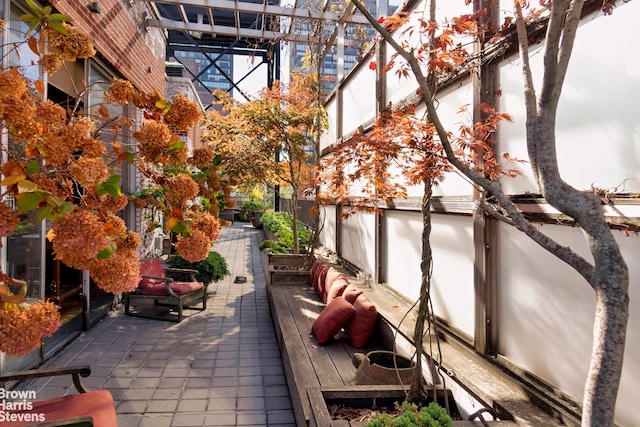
(165, 291)
(83, 409)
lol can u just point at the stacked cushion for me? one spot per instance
(346, 307)
(332, 319)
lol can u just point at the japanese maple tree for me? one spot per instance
(438, 53)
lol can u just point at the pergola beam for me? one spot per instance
(265, 9)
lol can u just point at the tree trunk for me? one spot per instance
(294, 222)
(416, 392)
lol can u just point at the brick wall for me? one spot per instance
(119, 37)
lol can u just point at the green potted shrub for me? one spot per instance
(211, 269)
(432, 415)
(251, 209)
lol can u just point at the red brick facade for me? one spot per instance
(121, 40)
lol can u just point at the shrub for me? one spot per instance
(279, 223)
(211, 269)
(433, 415)
(248, 209)
(273, 246)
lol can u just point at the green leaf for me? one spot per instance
(46, 212)
(107, 187)
(106, 252)
(28, 201)
(34, 7)
(33, 167)
(27, 17)
(178, 145)
(58, 27)
(66, 207)
(47, 10)
(60, 17)
(217, 160)
(181, 228)
(114, 179)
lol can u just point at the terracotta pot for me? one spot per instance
(383, 367)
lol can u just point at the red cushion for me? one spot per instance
(151, 267)
(180, 288)
(97, 404)
(337, 289)
(315, 273)
(351, 293)
(145, 283)
(322, 275)
(332, 319)
(332, 275)
(362, 324)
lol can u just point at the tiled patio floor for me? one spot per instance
(221, 367)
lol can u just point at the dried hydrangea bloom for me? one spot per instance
(55, 150)
(17, 106)
(56, 188)
(193, 248)
(208, 224)
(130, 241)
(93, 148)
(75, 44)
(51, 62)
(180, 189)
(114, 225)
(183, 113)
(120, 92)
(21, 329)
(114, 203)
(79, 132)
(89, 172)
(202, 156)
(8, 220)
(77, 238)
(51, 115)
(153, 140)
(118, 273)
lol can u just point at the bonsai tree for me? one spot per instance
(434, 56)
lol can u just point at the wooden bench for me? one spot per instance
(165, 291)
(307, 365)
(84, 409)
(314, 371)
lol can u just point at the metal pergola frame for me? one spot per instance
(248, 27)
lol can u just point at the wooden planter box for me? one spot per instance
(288, 268)
(370, 396)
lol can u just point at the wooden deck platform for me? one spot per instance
(308, 365)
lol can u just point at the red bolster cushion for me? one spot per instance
(362, 324)
(97, 404)
(351, 293)
(337, 288)
(322, 276)
(332, 275)
(332, 319)
(315, 273)
(180, 288)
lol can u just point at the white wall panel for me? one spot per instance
(358, 240)
(452, 280)
(328, 224)
(598, 127)
(546, 314)
(329, 136)
(359, 99)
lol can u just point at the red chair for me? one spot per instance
(165, 291)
